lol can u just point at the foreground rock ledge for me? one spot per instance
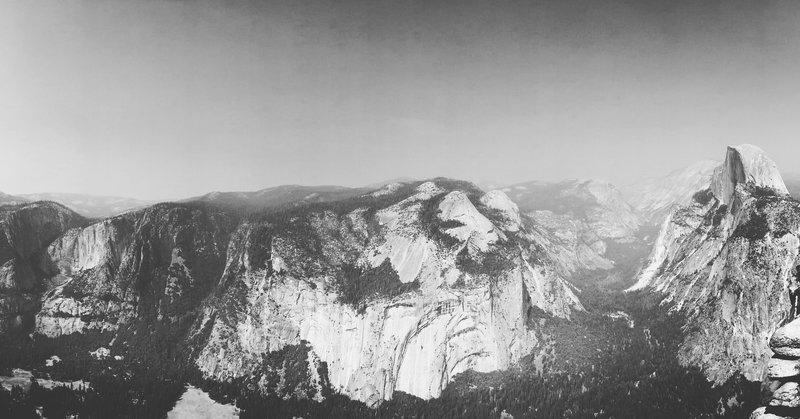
(786, 340)
(783, 368)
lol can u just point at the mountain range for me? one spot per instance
(408, 288)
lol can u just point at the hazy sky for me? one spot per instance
(165, 99)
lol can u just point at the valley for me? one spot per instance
(429, 298)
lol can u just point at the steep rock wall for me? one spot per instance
(157, 263)
(477, 281)
(746, 165)
(726, 261)
(25, 232)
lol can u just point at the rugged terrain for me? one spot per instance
(155, 264)
(25, 231)
(315, 294)
(399, 290)
(595, 235)
(726, 261)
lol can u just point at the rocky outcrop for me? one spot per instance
(745, 165)
(726, 261)
(783, 374)
(25, 232)
(786, 340)
(156, 264)
(393, 291)
(468, 274)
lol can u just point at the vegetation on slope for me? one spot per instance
(358, 285)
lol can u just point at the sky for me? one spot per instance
(158, 99)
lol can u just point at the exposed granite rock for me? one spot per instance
(783, 368)
(787, 395)
(727, 261)
(479, 273)
(158, 264)
(25, 232)
(446, 279)
(506, 208)
(786, 340)
(761, 413)
(746, 165)
(783, 373)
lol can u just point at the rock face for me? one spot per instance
(746, 165)
(786, 340)
(155, 264)
(726, 261)
(25, 232)
(398, 289)
(395, 292)
(787, 395)
(784, 373)
(783, 367)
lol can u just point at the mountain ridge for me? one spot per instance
(726, 261)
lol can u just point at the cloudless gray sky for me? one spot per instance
(160, 99)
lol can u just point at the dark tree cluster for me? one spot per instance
(357, 285)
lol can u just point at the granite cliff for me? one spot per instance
(155, 264)
(399, 290)
(726, 261)
(25, 232)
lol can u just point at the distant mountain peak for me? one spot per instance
(6, 199)
(655, 198)
(401, 179)
(746, 164)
